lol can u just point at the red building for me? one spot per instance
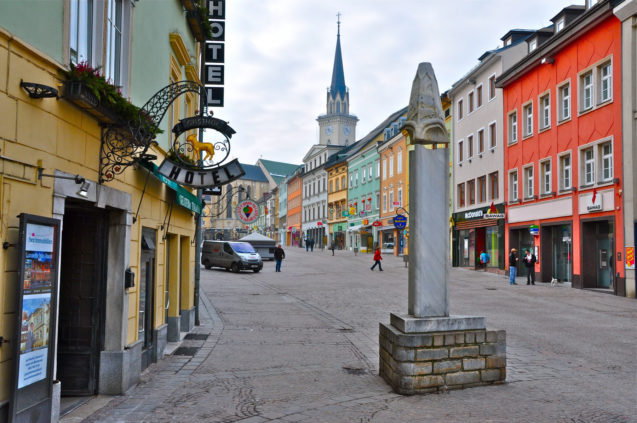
(563, 163)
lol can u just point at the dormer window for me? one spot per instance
(507, 42)
(559, 25)
(532, 44)
(591, 3)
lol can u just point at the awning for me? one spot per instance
(185, 198)
(384, 228)
(354, 228)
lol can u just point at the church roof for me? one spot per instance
(253, 173)
(338, 75)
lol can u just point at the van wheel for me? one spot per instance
(207, 265)
(235, 267)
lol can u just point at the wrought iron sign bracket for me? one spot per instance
(38, 90)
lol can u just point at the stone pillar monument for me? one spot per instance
(428, 350)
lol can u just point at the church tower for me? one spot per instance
(337, 126)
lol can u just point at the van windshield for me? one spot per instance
(242, 247)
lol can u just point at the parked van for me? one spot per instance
(230, 255)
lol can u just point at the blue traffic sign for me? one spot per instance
(400, 221)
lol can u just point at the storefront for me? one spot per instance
(556, 251)
(477, 231)
(337, 235)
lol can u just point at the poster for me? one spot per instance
(630, 258)
(37, 284)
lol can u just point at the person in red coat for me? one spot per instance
(377, 259)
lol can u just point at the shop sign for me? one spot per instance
(247, 211)
(352, 211)
(492, 213)
(345, 213)
(214, 54)
(361, 213)
(368, 206)
(377, 223)
(319, 223)
(477, 214)
(630, 258)
(37, 308)
(400, 221)
(594, 203)
(365, 221)
(534, 230)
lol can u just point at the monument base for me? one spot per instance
(424, 355)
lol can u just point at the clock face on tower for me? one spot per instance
(329, 130)
(346, 130)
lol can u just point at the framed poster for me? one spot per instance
(38, 254)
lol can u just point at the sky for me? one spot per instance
(279, 56)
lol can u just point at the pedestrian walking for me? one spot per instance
(312, 244)
(307, 243)
(377, 259)
(279, 255)
(332, 247)
(513, 266)
(484, 260)
(529, 261)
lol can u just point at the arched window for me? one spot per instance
(344, 107)
(338, 107)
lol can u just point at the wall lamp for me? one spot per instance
(38, 90)
(548, 60)
(85, 185)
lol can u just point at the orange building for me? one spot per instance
(294, 210)
(563, 160)
(393, 192)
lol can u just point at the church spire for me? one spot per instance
(338, 75)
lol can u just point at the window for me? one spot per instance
(559, 25)
(364, 174)
(586, 95)
(491, 87)
(482, 189)
(459, 109)
(384, 168)
(470, 102)
(469, 146)
(369, 171)
(565, 101)
(384, 202)
(391, 165)
(606, 82)
(391, 200)
(545, 111)
(378, 168)
(460, 151)
(606, 150)
(81, 31)
(471, 188)
(492, 135)
(331, 186)
(547, 185)
(113, 59)
(400, 197)
(528, 182)
(513, 186)
(528, 119)
(588, 166)
(513, 127)
(565, 172)
(343, 182)
(399, 162)
(351, 181)
(493, 186)
(377, 200)
(478, 96)
(532, 44)
(338, 188)
(481, 141)
(461, 195)
(356, 179)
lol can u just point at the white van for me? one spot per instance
(231, 255)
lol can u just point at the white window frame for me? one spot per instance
(459, 111)
(400, 196)
(491, 90)
(493, 135)
(384, 168)
(605, 80)
(604, 159)
(470, 102)
(369, 171)
(512, 126)
(460, 151)
(565, 170)
(479, 98)
(377, 200)
(391, 201)
(399, 161)
(529, 181)
(544, 113)
(364, 178)
(546, 176)
(82, 27)
(527, 113)
(481, 149)
(587, 170)
(514, 193)
(586, 91)
(559, 25)
(391, 165)
(378, 168)
(469, 147)
(532, 45)
(564, 110)
(384, 202)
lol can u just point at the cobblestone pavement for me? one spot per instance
(302, 346)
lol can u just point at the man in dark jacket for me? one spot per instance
(279, 255)
(513, 266)
(529, 261)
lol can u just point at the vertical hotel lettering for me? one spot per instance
(214, 56)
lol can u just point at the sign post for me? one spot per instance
(33, 346)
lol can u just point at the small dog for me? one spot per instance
(554, 282)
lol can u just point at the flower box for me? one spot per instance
(78, 93)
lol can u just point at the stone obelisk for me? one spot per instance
(428, 350)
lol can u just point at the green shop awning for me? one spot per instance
(185, 198)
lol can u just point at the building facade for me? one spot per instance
(337, 201)
(110, 326)
(563, 159)
(478, 165)
(295, 208)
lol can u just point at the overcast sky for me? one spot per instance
(279, 57)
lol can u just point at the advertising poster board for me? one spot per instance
(35, 331)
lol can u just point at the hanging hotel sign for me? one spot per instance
(247, 211)
(214, 54)
(198, 164)
(36, 311)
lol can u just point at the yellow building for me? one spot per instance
(125, 251)
(336, 168)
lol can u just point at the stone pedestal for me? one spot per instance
(423, 355)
